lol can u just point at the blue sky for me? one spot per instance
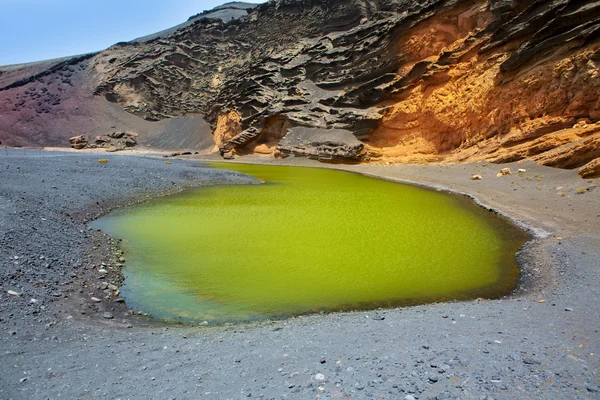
(33, 30)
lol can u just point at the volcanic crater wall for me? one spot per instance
(352, 81)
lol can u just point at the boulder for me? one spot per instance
(117, 134)
(79, 142)
(130, 142)
(325, 145)
(102, 140)
(591, 169)
(504, 172)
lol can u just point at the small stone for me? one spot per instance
(592, 388)
(522, 170)
(433, 378)
(23, 379)
(323, 361)
(504, 172)
(103, 286)
(530, 361)
(112, 287)
(95, 300)
(120, 300)
(108, 315)
(33, 301)
(13, 293)
(409, 397)
(476, 177)
(568, 309)
(319, 377)
(121, 259)
(102, 271)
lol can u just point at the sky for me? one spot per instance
(34, 30)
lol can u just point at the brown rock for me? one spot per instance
(572, 155)
(101, 140)
(591, 169)
(116, 135)
(504, 172)
(79, 142)
(130, 141)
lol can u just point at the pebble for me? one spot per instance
(433, 378)
(108, 315)
(568, 309)
(409, 397)
(13, 293)
(530, 361)
(319, 377)
(102, 271)
(95, 300)
(121, 259)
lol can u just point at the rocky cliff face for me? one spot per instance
(360, 80)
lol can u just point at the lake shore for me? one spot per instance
(541, 342)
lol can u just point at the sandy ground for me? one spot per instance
(540, 343)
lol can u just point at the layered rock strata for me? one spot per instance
(370, 80)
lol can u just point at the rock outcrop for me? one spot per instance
(364, 80)
(114, 141)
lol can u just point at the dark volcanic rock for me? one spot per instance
(333, 145)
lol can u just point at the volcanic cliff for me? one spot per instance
(336, 80)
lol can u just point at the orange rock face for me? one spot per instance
(228, 126)
(473, 111)
(591, 169)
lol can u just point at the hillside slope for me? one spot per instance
(338, 80)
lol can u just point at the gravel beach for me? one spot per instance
(64, 332)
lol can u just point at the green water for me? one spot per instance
(308, 240)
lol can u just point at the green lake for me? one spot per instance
(308, 240)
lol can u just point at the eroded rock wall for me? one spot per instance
(502, 95)
(364, 80)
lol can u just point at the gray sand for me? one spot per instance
(540, 343)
